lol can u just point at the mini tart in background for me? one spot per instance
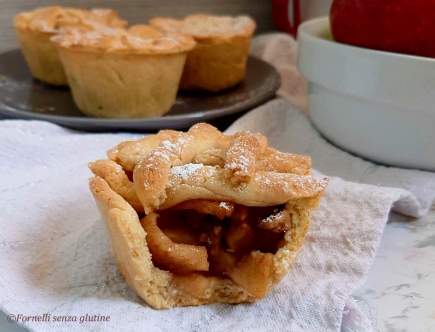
(34, 30)
(218, 61)
(124, 74)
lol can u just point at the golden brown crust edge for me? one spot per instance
(129, 245)
(42, 56)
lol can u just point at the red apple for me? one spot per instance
(402, 26)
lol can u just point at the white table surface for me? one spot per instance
(399, 294)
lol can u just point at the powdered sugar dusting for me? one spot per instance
(160, 154)
(241, 156)
(224, 205)
(231, 166)
(185, 171)
(176, 146)
(309, 183)
(296, 185)
(244, 164)
(273, 218)
(171, 146)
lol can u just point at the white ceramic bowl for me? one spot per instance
(378, 105)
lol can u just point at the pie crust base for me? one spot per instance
(41, 56)
(162, 289)
(124, 74)
(110, 85)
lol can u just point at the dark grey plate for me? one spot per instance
(22, 96)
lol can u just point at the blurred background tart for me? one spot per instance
(124, 74)
(218, 60)
(34, 30)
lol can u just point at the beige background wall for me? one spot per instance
(139, 11)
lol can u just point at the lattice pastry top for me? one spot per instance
(171, 167)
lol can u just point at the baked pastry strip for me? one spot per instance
(118, 180)
(192, 181)
(128, 154)
(152, 174)
(242, 156)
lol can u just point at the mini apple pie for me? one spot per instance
(203, 217)
(219, 59)
(34, 30)
(124, 74)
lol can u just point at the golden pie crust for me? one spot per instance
(124, 74)
(34, 30)
(218, 61)
(217, 178)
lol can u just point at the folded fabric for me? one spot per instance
(56, 257)
(289, 130)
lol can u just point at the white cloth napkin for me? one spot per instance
(54, 251)
(56, 259)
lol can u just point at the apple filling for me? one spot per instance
(218, 239)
